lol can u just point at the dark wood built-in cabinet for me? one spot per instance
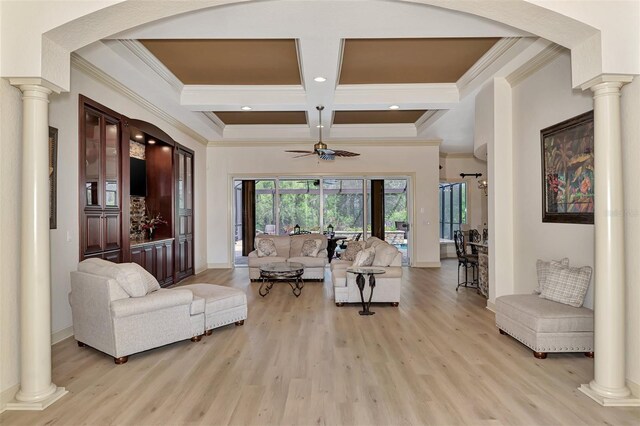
(184, 212)
(105, 194)
(101, 176)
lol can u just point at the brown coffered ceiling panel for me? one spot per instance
(229, 62)
(262, 117)
(377, 117)
(410, 60)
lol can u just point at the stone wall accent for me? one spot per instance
(138, 210)
(136, 150)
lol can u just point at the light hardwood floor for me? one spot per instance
(436, 359)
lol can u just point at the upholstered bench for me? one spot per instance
(544, 325)
(222, 305)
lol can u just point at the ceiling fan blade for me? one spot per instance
(301, 152)
(326, 156)
(340, 153)
(304, 155)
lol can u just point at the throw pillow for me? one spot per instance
(150, 282)
(365, 257)
(310, 248)
(353, 248)
(129, 276)
(542, 268)
(566, 284)
(266, 248)
(385, 253)
(371, 241)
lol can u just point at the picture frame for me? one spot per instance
(53, 177)
(568, 171)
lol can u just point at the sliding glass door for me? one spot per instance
(299, 205)
(315, 203)
(343, 206)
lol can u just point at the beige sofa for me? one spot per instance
(388, 285)
(288, 249)
(120, 309)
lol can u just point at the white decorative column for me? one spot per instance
(36, 389)
(608, 386)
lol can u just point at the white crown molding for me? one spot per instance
(336, 143)
(488, 59)
(427, 120)
(152, 62)
(214, 119)
(408, 96)
(425, 117)
(231, 98)
(535, 64)
(88, 68)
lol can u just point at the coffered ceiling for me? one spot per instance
(387, 71)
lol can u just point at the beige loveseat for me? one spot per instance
(288, 249)
(388, 285)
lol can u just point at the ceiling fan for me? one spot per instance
(320, 149)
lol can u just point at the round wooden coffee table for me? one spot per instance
(291, 273)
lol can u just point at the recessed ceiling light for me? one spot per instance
(320, 126)
(139, 136)
(246, 108)
(320, 79)
(151, 141)
(394, 107)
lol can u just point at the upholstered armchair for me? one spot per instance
(120, 309)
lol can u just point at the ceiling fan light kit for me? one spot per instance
(320, 148)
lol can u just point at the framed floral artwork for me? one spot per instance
(567, 171)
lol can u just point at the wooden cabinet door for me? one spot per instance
(149, 259)
(93, 232)
(137, 256)
(100, 190)
(184, 214)
(111, 230)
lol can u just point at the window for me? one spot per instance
(299, 205)
(453, 208)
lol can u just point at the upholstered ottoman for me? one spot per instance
(222, 305)
(545, 326)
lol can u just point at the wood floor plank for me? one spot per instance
(437, 359)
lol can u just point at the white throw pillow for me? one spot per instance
(353, 248)
(310, 248)
(542, 269)
(266, 248)
(566, 284)
(371, 241)
(385, 253)
(365, 257)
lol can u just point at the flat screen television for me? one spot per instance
(138, 177)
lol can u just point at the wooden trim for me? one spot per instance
(152, 130)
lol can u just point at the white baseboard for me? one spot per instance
(59, 336)
(7, 396)
(426, 264)
(491, 306)
(218, 266)
(201, 269)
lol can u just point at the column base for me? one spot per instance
(37, 405)
(627, 401)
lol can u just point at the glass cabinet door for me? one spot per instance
(112, 161)
(189, 185)
(92, 157)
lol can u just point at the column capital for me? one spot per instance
(619, 79)
(33, 83)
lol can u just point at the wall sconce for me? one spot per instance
(483, 184)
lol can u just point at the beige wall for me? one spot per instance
(390, 160)
(10, 194)
(544, 99)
